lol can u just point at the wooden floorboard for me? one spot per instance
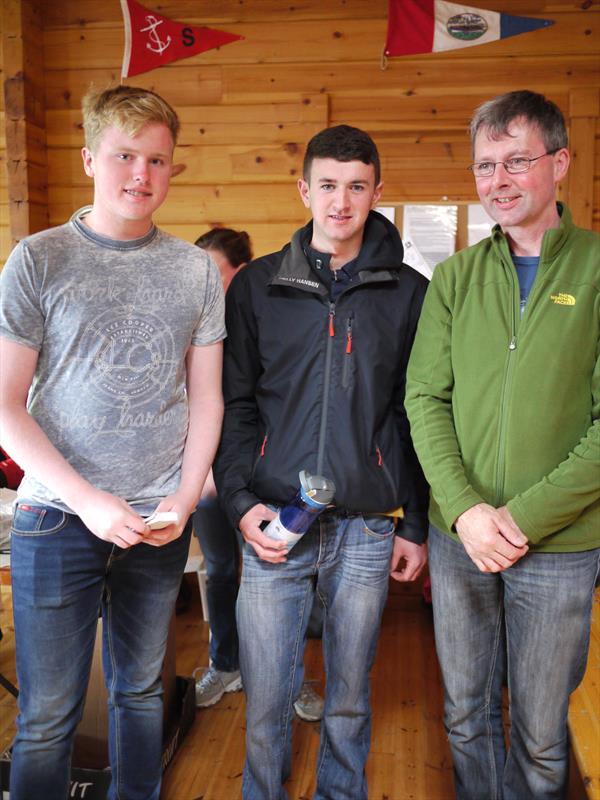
(584, 714)
(409, 758)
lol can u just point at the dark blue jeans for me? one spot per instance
(63, 577)
(219, 544)
(542, 604)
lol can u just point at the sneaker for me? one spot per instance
(213, 684)
(309, 705)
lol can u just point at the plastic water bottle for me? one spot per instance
(295, 518)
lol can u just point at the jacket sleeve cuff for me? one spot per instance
(238, 504)
(523, 521)
(466, 500)
(413, 527)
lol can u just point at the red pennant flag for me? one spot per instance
(433, 26)
(152, 41)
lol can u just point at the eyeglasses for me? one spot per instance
(485, 169)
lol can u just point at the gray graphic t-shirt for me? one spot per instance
(112, 322)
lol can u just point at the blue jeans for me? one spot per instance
(62, 577)
(347, 562)
(543, 605)
(219, 544)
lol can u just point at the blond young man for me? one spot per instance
(110, 340)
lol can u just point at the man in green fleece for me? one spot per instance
(504, 402)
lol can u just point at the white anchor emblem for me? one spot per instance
(153, 24)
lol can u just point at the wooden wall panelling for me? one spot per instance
(221, 12)
(101, 47)
(417, 111)
(218, 12)
(234, 124)
(596, 192)
(248, 109)
(584, 113)
(431, 75)
(185, 85)
(5, 240)
(181, 86)
(302, 41)
(24, 117)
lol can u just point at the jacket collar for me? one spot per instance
(379, 259)
(553, 241)
(296, 271)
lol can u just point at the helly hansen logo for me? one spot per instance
(562, 299)
(303, 281)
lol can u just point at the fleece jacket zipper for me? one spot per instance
(506, 387)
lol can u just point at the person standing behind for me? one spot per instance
(110, 399)
(504, 402)
(319, 336)
(230, 250)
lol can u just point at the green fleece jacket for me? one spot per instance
(505, 409)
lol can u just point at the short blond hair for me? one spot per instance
(129, 108)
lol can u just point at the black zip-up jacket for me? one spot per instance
(319, 385)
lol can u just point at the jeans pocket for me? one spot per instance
(30, 520)
(379, 526)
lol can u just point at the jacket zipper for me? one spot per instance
(517, 324)
(326, 387)
(349, 335)
(506, 385)
(348, 353)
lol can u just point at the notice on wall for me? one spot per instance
(479, 224)
(389, 212)
(429, 236)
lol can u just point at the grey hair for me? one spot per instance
(496, 115)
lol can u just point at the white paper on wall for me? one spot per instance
(414, 258)
(429, 235)
(389, 212)
(479, 224)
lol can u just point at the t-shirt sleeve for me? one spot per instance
(211, 323)
(21, 312)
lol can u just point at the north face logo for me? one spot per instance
(562, 299)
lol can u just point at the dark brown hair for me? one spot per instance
(342, 143)
(235, 245)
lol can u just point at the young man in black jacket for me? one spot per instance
(319, 336)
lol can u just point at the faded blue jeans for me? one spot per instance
(62, 578)
(347, 562)
(543, 604)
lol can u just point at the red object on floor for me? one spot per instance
(426, 591)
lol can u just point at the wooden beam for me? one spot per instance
(584, 110)
(25, 118)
